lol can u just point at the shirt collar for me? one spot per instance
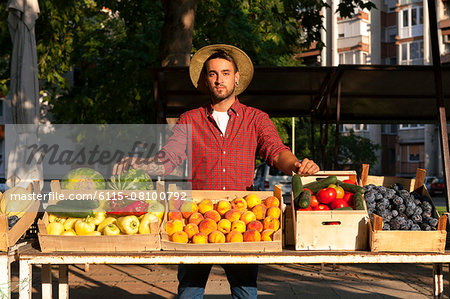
(235, 107)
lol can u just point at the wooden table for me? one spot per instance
(32, 256)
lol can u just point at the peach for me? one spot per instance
(252, 236)
(271, 223)
(248, 217)
(179, 237)
(224, 226)
(239, 226)
(272, 201)
(233, 215)
(239, 204)
(200, 238)
(188, 208)
(255, 225)
(252, 200)
(175, 215)
(191, 229)
(214, 215)
(196, 218)
(173, 226)
(273, 212)
(267, 235)
(259, 211)
(223, 206)
(216, 237)
(205, 206)
(207, 226)
(234, 236)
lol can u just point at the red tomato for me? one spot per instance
(321, 207)
(333, 223)
(338, 203)
(349, 182)
(314, 201)
(326, 195)
(306, 209)
(348, 198)
(308, 190)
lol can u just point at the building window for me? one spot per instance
(355, 128)
(413, 153)
(411, 126)
(412, 52)
(405, 18)
(389, 129)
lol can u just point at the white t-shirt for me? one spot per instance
(221, 119)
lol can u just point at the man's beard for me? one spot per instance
(222, 96)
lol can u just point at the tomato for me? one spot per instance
(326, 195)
(333, 223)
(314, 201)
(306, 209)
(304, 189)
(348, 198)
(338, 203)
(321, 207)
(349, 182)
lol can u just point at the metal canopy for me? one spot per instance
(390, 94)
(369, 93)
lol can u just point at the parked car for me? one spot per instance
(437, 187)
(429, 180)
(267, 177)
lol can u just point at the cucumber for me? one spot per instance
(350, 187)
(79, 204)
(297, 189)
(60, 211)
(344, 208)
(323, 183)
(359, 201)
(304, 199)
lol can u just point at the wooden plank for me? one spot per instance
(438, 281)
(364, 174)
(63, 283)
(5, 276)
(46, 276)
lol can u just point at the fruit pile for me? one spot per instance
(88, 219)
(327, 194)
(247, 219)
(400, 209)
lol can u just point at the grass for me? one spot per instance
(441, 209)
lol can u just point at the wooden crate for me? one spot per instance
(197, 195)
(398, 240)
(9, 237)
(120, 243)
(312, 230)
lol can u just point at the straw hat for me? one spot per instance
(243, 62)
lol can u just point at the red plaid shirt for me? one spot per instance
(223, 162)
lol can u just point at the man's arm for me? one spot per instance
(288, 163)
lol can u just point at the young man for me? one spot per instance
(226, 135)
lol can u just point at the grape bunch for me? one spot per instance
(400, 209)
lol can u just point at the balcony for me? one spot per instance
(353, 41)
(411, 31)
(406, 2)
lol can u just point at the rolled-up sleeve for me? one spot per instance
(269, 141)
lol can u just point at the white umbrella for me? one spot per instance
(23, 97)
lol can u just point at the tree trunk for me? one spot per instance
(176, 39)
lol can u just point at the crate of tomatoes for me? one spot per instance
(329, 212)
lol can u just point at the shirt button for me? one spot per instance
(223, 170)
(223, 188)
(224, 152)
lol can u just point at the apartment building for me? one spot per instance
(396, 33)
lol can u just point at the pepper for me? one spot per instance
(94, 233)
(54, 218)
(146, 220)
(84, 226)
(125, 207)
(70, 223)
(55, 228)
(69, 232)
(105, 223)
(128, 224)
(111, 230)
(99, 217)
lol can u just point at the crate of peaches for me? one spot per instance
(225, 221)
(329, 212)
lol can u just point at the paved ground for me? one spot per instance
(275, 281)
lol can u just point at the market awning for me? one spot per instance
(369, 93)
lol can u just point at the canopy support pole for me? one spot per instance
(338, 120)
(439, 96)
(313, 147)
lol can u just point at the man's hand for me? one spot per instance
(152, 167)
(306, 167)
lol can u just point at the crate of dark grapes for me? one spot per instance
(402, 215)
